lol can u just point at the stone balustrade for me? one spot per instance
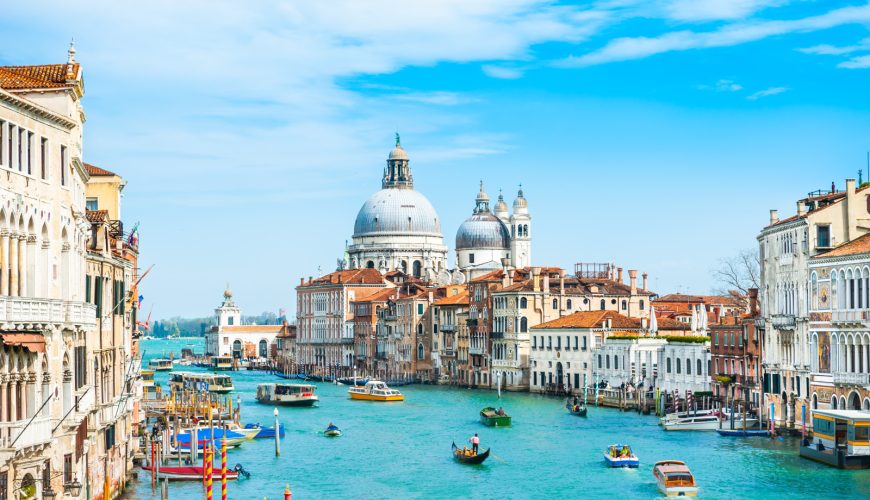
(37, 433)
(29, 313)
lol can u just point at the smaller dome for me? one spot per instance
(228, 294)
(398, 153)
(501, 207)
(521, 204)
(483, 230)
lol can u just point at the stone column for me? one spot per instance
(13, 265)
(45, 263)
(4, 262)
(22, 265)
(31, 394)
(4, 403)
(13, 398)
(33, 260)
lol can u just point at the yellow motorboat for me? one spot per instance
(375, 390)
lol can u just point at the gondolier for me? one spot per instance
(475, 442)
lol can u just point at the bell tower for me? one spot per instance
(521, 236)
(228, 314)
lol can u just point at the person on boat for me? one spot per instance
(500, 411)
(475, 442)
(625, 452)
(331, 427)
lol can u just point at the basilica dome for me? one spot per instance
(483, 230)
(397, 211)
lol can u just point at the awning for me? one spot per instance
(34, 342)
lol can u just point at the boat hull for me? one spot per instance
(375, 397)
(679, 491)
(497, 421)
(743, 433)
(304, 401)
(335, 433)
(188, 473)
(462, 458)
(621, 462)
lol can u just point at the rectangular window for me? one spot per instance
(534, 342)
(549, 342)
(558, 342)
(576, 342)
(419, 308)
(2, 127)
(535, 376)
(29, 153)
(63, 165)
(67, 468)
(98, 297)
(43, 158)
(21, 137)
(471, 258)
(91, 204)
(88, 289)
(584, 343)
(823, 236)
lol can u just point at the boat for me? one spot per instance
(576, 410)
(743, 432)
(375, 390)
(683, 414)
(290, 376)
(353, 381)
(204, 436)
(332, 431)
(221, 363)
(188, 473)
(691, 423)
(464, 456)
(286, 394)
(210, 382)
(248, 432)
(620, 455)
(839, 439)
(160, 364)
(494, 418)
(265, 432)
(675, 479)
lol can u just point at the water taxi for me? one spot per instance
(495, 418)
(222, 363)
(287, 394)
(375, 390)
(620, 455)
(675, 479)
(841, 438)
(248, 432)
(201, 381)
(684, 414)
(160, 364)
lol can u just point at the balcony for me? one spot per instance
(786, 259)
(476, 350)
(449, 352)
(496, 335)
(448, 328)
(845, 378)
(783, 321)
(505, 363)
(28, 313)
(856, 316)
(37, 433)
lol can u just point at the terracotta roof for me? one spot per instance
(679, 297)
(591, 319)
(253, 328)
(97, 171)
(43, 76)
(458, 299)
(854, 247)
(671, 324)
(379, 296)
(349, 277)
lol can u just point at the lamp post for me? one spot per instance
(73, 488)
(277, 435)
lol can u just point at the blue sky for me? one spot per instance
(654, 134)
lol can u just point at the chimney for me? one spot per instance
(536, 279)
(774, 217)
(546, 283)
(301, 281)
(644, 276)
(851, 211)
(801, 209)
(753, 302)
(309, 280)
(632, 280)
(619, 274)
(506, 279)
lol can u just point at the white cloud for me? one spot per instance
(438, 98)
(728, 86)
(832, 50)
(630, 48)
(707, 10)
(767, 92)
(501, 72)
(859, 62)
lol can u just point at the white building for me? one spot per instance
(684, 365)
(231, 338)
(397, 227)
(629, 360)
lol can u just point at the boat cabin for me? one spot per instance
(841, 438)
(201, 382)
(147, 378)
(222, 362)
(673, 474)
(160, 364)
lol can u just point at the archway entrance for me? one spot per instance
(237, 349)
(264, 348)
(559, 374)
(854, 401)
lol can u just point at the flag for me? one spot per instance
(133, 239)
(141, 298)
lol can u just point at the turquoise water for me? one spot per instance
(402, 450)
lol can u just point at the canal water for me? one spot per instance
(402, 450)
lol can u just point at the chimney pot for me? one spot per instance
(774, 216)
(632, 278)
(619, 274)
(801, 208)
(645, 276)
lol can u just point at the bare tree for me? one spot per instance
(734, 276)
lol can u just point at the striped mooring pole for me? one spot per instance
(224, 466)
(209, 466)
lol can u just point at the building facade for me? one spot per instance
(229, 337)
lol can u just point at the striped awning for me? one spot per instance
(34, 342)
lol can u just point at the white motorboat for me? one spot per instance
(694, 423)
(287, 394)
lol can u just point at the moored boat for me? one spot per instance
(287, 394)
(248, 432)
(495, 417)
(210, 382)
(620, 455)
(375, 390)
(353, 381)
(743, 432)
(187, 473)
(266, 432)
(691, 423)
(221, 363)
(684, 414)
(675, 479)
(841, 438)
(466, 456)
(160, 364)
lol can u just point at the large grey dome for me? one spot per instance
(397, 211)
(483, 230)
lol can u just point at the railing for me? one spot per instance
(509, 363)
(37, 310)
(846, 378)
(38, 432)
(496, 335)
(449, 352)
(475, 350)
(448, 328)
(849, 316)
(783, 320)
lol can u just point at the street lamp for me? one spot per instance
(74, 488)
(48, 494)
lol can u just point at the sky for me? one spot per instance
(655, 134)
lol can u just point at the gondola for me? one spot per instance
(578, 410)
(466, 459)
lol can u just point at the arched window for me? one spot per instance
(264, 346)
(678, 365)
(642, 306)
(607, 361)
(404, 266)
(418, 269)
(698, 372)
(688, 366)
(555, 304)
(668, 365)
(599, 361)
(370, 264)
(602, 304)
(420, 351)
(523, 303)
(524, 324)
(615, 362)
(568, 305)
(624, 305)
